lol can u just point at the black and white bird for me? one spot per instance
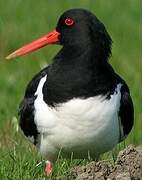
(78, 105)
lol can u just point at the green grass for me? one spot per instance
(24, 21)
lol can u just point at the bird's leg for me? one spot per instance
(48, 168)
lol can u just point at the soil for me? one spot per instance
(128, 166)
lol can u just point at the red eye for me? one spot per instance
(69, 22)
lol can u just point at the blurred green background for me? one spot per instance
(24, 21)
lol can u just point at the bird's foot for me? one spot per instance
(48, 168)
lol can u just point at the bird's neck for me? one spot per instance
(73, 52)
(82, 65)
(76, 73)
(82, 55)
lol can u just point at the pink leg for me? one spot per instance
(48, 168)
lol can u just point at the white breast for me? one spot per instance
(79, 125)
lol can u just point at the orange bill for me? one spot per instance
(50, 38)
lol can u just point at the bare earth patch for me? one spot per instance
(128, 166)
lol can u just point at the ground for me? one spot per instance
(127, 166)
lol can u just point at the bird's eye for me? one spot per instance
(69, 22)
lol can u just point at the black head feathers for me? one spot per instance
(80, 28)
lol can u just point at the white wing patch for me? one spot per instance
(44, 119)
(40, 86)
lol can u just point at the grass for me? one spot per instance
(24, 21)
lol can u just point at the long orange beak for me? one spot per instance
(50, 38)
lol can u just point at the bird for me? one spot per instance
(78, 105)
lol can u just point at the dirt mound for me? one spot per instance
(128, 166)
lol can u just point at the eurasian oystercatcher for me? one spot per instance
(78, 105)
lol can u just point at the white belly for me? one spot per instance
(79, 125)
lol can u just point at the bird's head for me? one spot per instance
(75, 28)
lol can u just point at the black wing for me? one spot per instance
(126, 112)
(26, 108)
